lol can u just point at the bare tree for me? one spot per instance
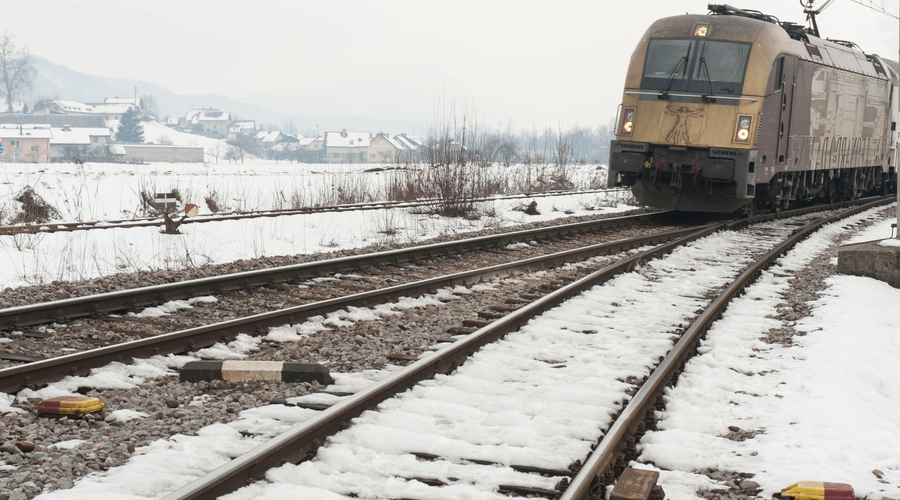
(238, 147)
(43, 102)
(17, 71)
(216, 150)
(149, 105)
(289, 127)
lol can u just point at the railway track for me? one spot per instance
(39, 372)
(158, 221)
(508, 316)
(67, 309)
(429, 425)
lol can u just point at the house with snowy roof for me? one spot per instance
(312, 149)
(68, 143)
(136, 101)
(61, 107)
(384, 149)
(269, 137)
(413, 147)
(246, 128)
(25, 143)
(112, 112)
(347, 147)
(210, 121)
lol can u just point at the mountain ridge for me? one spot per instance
(58, 81)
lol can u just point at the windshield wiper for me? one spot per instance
(682, 63)
(708, 97)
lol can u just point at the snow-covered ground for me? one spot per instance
(157, 133)
(99, 192)
(828, 406)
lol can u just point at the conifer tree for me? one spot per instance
(130, 128)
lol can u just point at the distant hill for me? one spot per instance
(412, 90)
(55, 80)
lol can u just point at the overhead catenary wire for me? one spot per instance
(878, 8)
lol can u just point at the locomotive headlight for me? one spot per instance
(701, 29)
(743, 129)
(627, 122)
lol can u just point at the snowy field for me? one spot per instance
(101, 192)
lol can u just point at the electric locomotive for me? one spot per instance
(736, 111)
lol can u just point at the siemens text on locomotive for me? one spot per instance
(734, 111)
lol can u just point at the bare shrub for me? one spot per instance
(214, 202)
(344, 188)
(404, 185)
(35, 209)
(453, 176)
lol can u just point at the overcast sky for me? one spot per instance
(534, 61)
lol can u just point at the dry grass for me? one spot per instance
(35, 210)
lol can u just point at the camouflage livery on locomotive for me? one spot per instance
(735, 111)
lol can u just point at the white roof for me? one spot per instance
(77, 135)
(269, 136)
(172, 121)
(113, 109)
(347, 139)
(410, 142)
(117, 149)
(249, 124)
(306, 141)
(75, 106)
(396, 144)
(123, 100)
(25, 132)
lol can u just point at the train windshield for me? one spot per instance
(690, 65)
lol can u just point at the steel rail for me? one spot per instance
(294, 444)
(53, 227)
(608, 458)
(50, 370)
(298, 442)
(66, 309)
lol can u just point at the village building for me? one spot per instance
(68, 144)
(347, 147)
(25, 143)
(384, 149)
(413, 147)
(112, 112)
(243, 128)
(210, 121)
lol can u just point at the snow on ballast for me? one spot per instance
(539, 398)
